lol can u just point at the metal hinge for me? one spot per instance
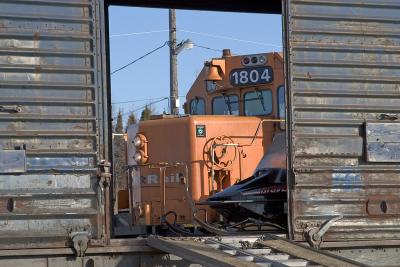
(11, 109)
(105, 173)
(80, 240)
(314, 234)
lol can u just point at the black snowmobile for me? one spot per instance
(263, 196)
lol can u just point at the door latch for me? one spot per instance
(105, 173)
(80, 240)
(314, 234)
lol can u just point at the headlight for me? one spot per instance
(140, 157)
(139, 140)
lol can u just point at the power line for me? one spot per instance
(134, 101)
(139, 58)
(208, 48)
(230, 38)
(137, 33)
(142, 107)
(202, 34)
(141, 100)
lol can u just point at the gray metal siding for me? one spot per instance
(50, 68)
(344, 72)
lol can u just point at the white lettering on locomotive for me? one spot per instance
(154, 179)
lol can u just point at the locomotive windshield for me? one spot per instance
(281, 106)
(258, 103)
(225, 105)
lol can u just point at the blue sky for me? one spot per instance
(136, 31)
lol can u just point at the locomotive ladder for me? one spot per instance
(247, 251)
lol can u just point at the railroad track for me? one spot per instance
(247, 251)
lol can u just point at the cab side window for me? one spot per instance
(281, 106)
(258, 103)
(197, 106)
(225, 105)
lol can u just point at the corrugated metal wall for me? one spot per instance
(50, 70)
(344, 66)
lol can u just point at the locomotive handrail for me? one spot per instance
(258, 128)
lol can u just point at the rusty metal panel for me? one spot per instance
(343, 118)
(51, 109)
(383, 142)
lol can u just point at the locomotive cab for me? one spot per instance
(250, 85)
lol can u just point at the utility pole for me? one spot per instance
(173, 93)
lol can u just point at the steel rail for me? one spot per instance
(308, 253)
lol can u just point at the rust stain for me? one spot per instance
(36, 36)
(78, 127)
(38, 69)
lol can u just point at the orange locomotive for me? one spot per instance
(233, 111)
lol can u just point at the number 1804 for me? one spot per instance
(251, 76)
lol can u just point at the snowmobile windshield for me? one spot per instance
(265, 178)
(275, 158)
